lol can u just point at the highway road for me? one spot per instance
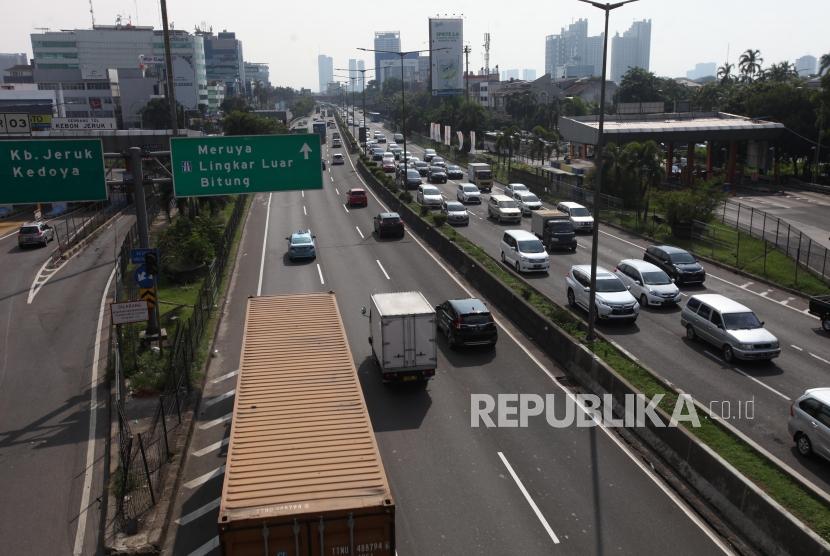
(458, 489)
(52, 475)
(755, 397)
(808, 211)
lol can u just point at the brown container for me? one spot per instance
(303, 474)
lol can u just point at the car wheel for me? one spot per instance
(571, 298)
(825, 324)
(450, 340)
(728, 354)
(518, 268)
(643, 300)
(690, 333)
(803, 445)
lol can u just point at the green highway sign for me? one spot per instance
(245, 164)
(49, 171)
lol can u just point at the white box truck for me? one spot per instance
(402, 335)
(481, 175)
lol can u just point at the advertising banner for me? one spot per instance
(472, 142)
(460, 135)
(446, 65)
(447, 132)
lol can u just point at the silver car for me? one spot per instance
(429, 196)
(809, 423)
(35, 233)
(468, 193)
(528, 202)
(731, 327)
(648, 283)
(613, 300)
(455, 212)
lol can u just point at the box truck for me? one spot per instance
(554, 228)
(402, 335)
(303, 474)
(481, 175)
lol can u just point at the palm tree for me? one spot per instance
(725, 73)
(782, 71)
(824, 63)
(750, 64)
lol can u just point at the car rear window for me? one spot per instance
(29, 230)
(508, 204)
(476, 318)
(301, 240)
(455, 206)
(390, 219)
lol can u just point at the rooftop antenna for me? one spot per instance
(92, 13)
(487, 54)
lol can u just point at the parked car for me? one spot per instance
(436, 174)
(512, 188)
(422, 167)
(820, 307)
(503, 209)
(580, 216)
(411, 178)
(356, 197)
(613, 300)
(455, 172)
(527, 201)
(428, 154)
(337, 159)
(648, 283)
(389, 224)
(809, 423)
(35, 233)
(468, 193)
(524, 251)
(677, 263)
(729, 326)
(301, 245)
(429, 196)
(455, 212)
(466, 322)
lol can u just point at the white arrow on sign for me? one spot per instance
(305, 150)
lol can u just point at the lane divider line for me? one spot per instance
(530, 501)
(750, 377)
(359, 232)
(206, 548)
(225, 376)
(305, 211)
(264, 245)
(822, 359)
(346, 208)
(320, 272)
(202, 479)
(382, 269)
(199, 512)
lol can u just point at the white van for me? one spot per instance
(524, 252)
(504, 209)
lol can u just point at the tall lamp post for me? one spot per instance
(350, 84)
(403, 101)
(592, 296)
(363, 94)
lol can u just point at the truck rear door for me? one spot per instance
(424, 349)
(394, 343)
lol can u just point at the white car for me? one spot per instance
(648, 283)
(337, 158)
(429, 196)
(524, 252)
(580, 216)
(527, 201)
(468, 193)
(428, 154)
(512, 188)
(613, 300)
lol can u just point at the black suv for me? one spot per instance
(677, 263)
(466, 322)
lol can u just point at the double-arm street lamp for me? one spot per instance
(592, 295)
(363, 91)
(351, 85)
(403, 101)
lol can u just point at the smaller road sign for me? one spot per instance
(137, 255)
(148, 296)
(143, 278)
(131, 311)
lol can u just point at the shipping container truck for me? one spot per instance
(320, 129)
(481, 175)
(303, 475)
(402, 335)
(554, 228)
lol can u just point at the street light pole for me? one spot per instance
(592, 295)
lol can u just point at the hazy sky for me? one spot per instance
(289, 34)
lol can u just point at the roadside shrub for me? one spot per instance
(405, 196)
(684, 206)
(439, 218)
(189, 243)
(424, 211)
(149, 375)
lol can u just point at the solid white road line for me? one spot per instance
(648, 472)
(530, 501)
(346, 208)
(219, 398)
(305, 211)
(752, 378)
(264, 245)
(337, 191)
(320, 272)
(199, 512)
(93, 420)
(214, 422)
(211, 447)
(226, 376)
(359, 232)
(625, 351)
(382, 269)
(206, 548)
(302, 193)
(202, 479)
(796, 347)
(822, 359)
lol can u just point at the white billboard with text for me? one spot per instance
(447, 65)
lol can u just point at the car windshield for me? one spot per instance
(453, 168)
(508, 204)
(531, 246)
(436, 169)
(390, 219)
(741, 321)
(682, 258)
(561, 226)
(437, 160)
(530, 198)
(485, 175)
(518, 187)
(656, 278)
(580, 211)
(413, 174)
(431, 191)
(29, 230)
(301, 240)
(609, 285)
(455, 206)
(470, 189)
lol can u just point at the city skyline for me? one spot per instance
(517, 35)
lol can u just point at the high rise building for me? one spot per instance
(389, 41)
(355, 67)
(632, 49)
(806, 65)
(507, 75)
(224, 61)
(529, 74)
(704, 69)
(10, 60)
(325, 70)
(573, 53)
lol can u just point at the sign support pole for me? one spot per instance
(140, 201)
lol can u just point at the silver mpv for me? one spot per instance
(731, 327)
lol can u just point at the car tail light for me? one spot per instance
(792, 411)
(456, 323)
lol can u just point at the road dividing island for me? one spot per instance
(303, 473)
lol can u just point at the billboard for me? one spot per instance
(446, 66)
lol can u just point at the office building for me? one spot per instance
(256, 72)
(325, 72)
(391, 67)
(389, 41)
(507, 75)
(632, 49)
(423, 69)
(529, 74)
(573, 53)
(224, 61)
(806, 65)
(702, 70)
(355, 70)
(9, 60)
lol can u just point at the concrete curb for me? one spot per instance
(770, 527)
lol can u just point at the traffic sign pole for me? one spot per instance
(140, 203)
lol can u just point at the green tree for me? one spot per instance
(246, 123)
(156, 114)
(725, 73)
(750, 65)
(783, 71)
(824, 63)
(234, 104)
(302, 106)
(639, 85)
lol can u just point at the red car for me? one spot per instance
(356, 197)
(389, 166)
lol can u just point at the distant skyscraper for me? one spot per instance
(573, 51)
(507, 75)
(631, 50)
(529, 74)
(806, 65)
(390, 41)
(702, 70)
(325, 69)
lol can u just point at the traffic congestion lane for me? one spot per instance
(766, 388)
(445, 424)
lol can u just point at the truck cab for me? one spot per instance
(480, 174)
(554, 228)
